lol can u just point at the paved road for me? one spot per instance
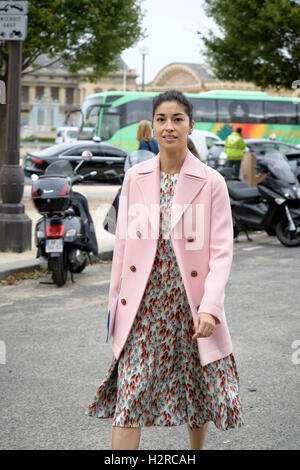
(56, 357)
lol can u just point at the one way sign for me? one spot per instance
(13, 8)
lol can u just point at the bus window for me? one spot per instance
(111, 122)
(204, 110)
(240, 111)
(124, 115)
(138, 110)
(280, 112)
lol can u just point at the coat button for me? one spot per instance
(138, 233)
(133, 268)
(123, 301)
(194, 273)
(190, 239)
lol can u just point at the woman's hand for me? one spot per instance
(204, 325)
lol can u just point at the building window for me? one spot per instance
(39, 92)
(25, 94)
(40, 117)
(51, 117)
(70, 96)
(54, 94)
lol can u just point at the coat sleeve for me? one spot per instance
(221, 248)
(120, 241)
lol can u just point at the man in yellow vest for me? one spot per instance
(234, 148)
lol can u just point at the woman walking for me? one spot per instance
(146, 140)
(173, 360)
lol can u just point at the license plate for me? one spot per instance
(54, 246)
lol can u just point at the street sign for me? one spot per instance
(13, 8)
(13, 27)
(13, 21)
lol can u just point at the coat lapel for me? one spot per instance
(148, 181)
(190, 182)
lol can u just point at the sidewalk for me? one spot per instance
(99, 199)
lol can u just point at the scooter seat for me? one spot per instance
(240, 191)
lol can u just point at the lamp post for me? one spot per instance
(15, 225)
(143, 51)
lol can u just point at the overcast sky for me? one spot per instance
(172, 27)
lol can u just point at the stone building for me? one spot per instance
(196, 78)
(49, 91)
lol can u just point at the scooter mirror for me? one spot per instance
(87, 155)
(34, 177)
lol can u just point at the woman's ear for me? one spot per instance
(192, 127)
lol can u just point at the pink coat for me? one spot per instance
(202, 238)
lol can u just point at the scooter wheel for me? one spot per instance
(59, 270)
(286, 237)
(79, 269)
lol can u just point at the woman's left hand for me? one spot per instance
(204, 325)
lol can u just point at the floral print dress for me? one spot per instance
(158, 379)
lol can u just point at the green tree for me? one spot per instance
(85, 34)
(258, 41)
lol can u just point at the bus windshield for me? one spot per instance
(90, 123)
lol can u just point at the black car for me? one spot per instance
(105, 157)
(216, 157)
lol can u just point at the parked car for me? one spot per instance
(137, 157)
(216, 157)
(203, 141)
(66, 135)
(105, 157)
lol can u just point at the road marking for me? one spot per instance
(101, 283)
(4, 305)
(252, 248)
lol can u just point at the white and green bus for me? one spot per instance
(113, 116)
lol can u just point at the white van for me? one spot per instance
(66, 135)
(203, 140)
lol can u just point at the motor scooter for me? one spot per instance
(65, 235)
(273, 206)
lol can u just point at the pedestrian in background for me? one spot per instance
(173, 360)
(234, 149)
(145, 137)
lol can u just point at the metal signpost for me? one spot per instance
(15, 225)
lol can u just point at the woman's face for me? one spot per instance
(171, 125)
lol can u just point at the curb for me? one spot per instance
(8, 269)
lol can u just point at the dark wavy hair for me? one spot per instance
(174, 95)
